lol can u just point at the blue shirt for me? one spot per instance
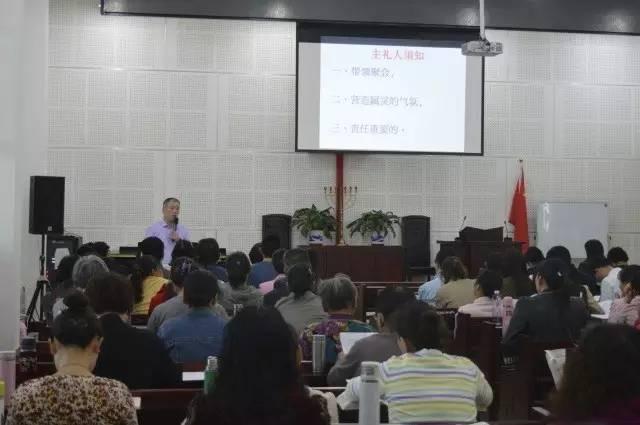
(194, 336)
(261, 272)
(160, 229)
(427, 291)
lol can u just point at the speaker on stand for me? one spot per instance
(46, 216)
(416, 241)
(278, 225)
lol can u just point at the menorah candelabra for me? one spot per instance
(341, 198)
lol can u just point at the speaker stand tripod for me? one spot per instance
(42, 287)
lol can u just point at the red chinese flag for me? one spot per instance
(518, 216)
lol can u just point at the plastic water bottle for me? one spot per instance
(497, 307)
(318, 348)
(369, 405)
(210, 373)
(507, 314)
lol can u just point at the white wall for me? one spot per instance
(143, 108)
(23, 144)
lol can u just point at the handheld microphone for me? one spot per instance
(175, 221)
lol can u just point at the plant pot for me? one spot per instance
(377, 238)
(316, 237)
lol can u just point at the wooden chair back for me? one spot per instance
(43, 352)
(164, 406)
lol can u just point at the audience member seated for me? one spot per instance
(483, 306)
(197, 334)
(183, 248)
(131, 355)
(594, 251)
(152, 246)
(255, 254)
(83, 270)
(208, 257)
(240, 293)
(426, 385)
(263, 271)
(607, 275)
(62, 285)
(532, 258)
(515, 281)
(147, 280)
(552, 316)
(338, 296)
(626, 310)
(86, 249)
(73, 395)
(278, 264)
(601, 379)
(301, 306)
(428, 290)
(176, 306)
(617, 257)
(578, 281)
(258, 381)
(375, 348)
(457, 289)
(280, 285)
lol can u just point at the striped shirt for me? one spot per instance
(429, 386)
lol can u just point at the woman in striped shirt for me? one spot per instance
(425, 384)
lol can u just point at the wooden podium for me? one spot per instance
(362, 263)
(474, 246)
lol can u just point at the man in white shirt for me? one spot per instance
(607, 275)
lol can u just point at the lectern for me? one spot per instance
(475, 245)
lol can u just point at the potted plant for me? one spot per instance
(375, 223)
(314, 224)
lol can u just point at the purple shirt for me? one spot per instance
(160, 229)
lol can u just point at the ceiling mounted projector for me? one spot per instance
(481, 47)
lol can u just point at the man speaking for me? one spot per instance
(168, 229)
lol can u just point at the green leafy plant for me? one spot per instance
(308, 219)
(374, 221)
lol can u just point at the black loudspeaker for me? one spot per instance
(46, 205)
(278, 225)
(416, 241)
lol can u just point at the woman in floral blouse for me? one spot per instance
(339, 300)
(73, 396)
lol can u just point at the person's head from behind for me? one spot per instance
(487, 283)
(183, 248)
(601, 268)
(453, 269)
(442, 255)
(86, 249)
(629, 278)
(389, 301)
(550, 275)
(144, 267)
(278, 260)
(560, 253)
(238, 268)
(110, 293)
(494, 262)
(296, 256)
(604, 372)
(617, 257)
(101, 248)
(180, 269)
(420, 327)
(300, 279)
(170, 210)
(64, 272)
(269, 245)
(87, 267)
(255, 254)
(200, 289)
(594, 249)
(152, 246)
(339, 295)
(76, 334)
(533, 257)
(208, 251)
(513, 264)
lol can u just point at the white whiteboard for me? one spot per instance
(571, 224)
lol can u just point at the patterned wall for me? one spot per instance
(143, 108)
